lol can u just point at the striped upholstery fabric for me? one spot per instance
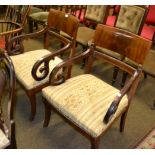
(84, 100)
(23, 64)
(4, 142)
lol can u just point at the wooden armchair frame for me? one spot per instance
(68, 24)
(111, 38)
(7, 75)
(141, 24)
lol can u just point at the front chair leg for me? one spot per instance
(32, 98)
(47, 113)
(122, 121)
(95, 143)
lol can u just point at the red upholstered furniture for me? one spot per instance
(150, 20)
(149, 29)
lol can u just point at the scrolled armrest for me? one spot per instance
(114, 105)
(42, 65)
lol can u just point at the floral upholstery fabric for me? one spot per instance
(23, 64)
(84, 100)
(4, 141)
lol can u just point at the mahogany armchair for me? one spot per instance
(130, 18)
(87, 102)
(13, 23)
(23, 62)
(7, 98)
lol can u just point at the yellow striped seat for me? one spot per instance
(4, 142)
(85, 100)
(26, 62)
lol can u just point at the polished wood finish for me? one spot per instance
(7, 75)
(142, 22)
(68, 24)
(113, 39)
(125, 43)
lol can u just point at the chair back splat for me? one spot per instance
(68, 24)
(123, 42)
(7, 125)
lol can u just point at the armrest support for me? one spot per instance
(64, 65)
(114, 105)
(21, 38)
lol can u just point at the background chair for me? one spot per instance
(7, 98)
(24, 62)
(87, 102)
(13, 23)
(40, 16)
(130, 18)
(94, 14)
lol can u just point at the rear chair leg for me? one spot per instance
(122, 121)
(95, 143)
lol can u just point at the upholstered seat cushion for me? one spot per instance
(65, 35)
(108, 52)
(40, 16)
(23, 64)
(4, 141)
(84, 100)
(84, 35)
(35, 10)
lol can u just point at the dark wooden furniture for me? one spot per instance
(7, 123)
(87, 102)
(13, 23)
(130, 18)
(40, 16)
(24, 62)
